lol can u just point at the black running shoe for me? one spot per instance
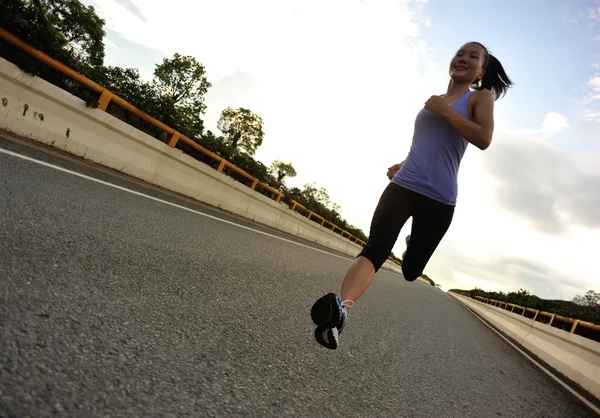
(329, 315)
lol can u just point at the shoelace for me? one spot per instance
(346, 303)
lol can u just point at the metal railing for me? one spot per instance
(523, 311)
(107, 97)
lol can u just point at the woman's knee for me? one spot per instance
(373, 256)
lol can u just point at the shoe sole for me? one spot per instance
(325, 314)
(325, 311)
(327, 337)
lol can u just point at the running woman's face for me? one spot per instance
(467, 64)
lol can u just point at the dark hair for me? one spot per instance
(495, 78)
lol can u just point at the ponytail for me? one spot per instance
(495, 78)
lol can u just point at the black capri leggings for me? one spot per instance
(431, 220)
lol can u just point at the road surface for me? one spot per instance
(117, 304)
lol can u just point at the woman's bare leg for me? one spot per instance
(358, 278)
(329, 312)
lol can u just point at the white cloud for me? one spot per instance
(554, 123)
(131, 8)
(594, 84)
(594, 14)
(592, 113)
(592, 116)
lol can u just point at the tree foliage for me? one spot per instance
(281, 170)
(127, 84)
(66, 30)
(242, 128)
(183, 79)
(318, 196)
(79, 28)
(426, 277)
(591, 299)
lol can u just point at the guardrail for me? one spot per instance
(536, 315)
(574, 356)
(107, 97)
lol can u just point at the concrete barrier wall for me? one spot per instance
(576, 357)
(35, 109)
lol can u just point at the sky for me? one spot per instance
(339, 83)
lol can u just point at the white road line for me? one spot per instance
(548, 372)
(64, 170)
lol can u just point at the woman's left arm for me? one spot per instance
(480, 129)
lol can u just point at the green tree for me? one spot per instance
(124, 82)
(66, 30)
(242, 128)
(591, 299)
(281, 170)
(127, 84)
(79, 27)
(183, 79)
(319, 195)
(426, 277)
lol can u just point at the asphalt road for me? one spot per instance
(113, 304)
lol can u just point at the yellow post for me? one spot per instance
(279, 196)
(254, 183)
(294, 205)
(575, 323)
(551, 319)
(104, 100)
(536, 314)
(174, 139)
(222, 165)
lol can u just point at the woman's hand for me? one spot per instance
(393, 170)
(437, 105)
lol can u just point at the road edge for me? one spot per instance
(571, 386)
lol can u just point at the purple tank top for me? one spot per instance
(431, 167)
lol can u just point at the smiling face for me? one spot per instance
(467, 64)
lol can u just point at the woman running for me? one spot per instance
(424, 185)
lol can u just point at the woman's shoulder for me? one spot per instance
(480, 97)
(483, 94)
